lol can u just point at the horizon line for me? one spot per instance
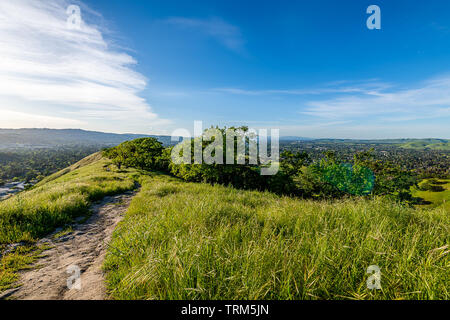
(285, 136)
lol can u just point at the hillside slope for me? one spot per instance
(196, 241)
(96, 157)
(183, 240)
(60, 198)
(54, 203)
(435, 199)
(432, 144)
(82, 245)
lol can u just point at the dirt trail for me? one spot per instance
(84, 248)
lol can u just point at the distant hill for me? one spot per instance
(294, 138)
(432, 144)
(47, 138)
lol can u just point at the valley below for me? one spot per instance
(11, 188)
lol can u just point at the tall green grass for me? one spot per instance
(35, 213)
(53, 203)
(196, 241)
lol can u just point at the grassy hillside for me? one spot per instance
(82, 163)
(53, 203)
(58, 199)
(433, 144)
(436, 199)
(195, 241)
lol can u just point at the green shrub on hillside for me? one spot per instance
(143, 153)
(430, 186)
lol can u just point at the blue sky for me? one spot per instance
(309, 68)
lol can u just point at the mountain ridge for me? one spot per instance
(48, 138)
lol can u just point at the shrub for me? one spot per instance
(428, 186)
(143, 153)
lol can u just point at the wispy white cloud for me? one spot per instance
(367, 87)
(227, 34)
(364, 109)
(54, 72)
(352, 100)
(426, 100)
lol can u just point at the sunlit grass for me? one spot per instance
(35, 213)
(54, 203)
(20, 259)
(196, 241)
(436, 199)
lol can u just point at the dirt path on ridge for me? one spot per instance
(85, 247)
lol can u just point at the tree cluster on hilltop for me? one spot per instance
(298, 175)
